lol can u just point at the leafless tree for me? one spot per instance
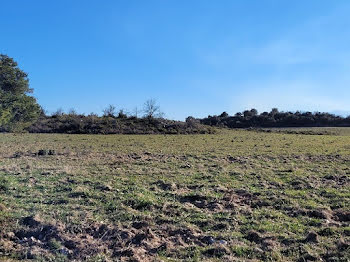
(151, 109)
(109, 111)
(123, 113)
(58, 112)
(136, 112)
(72, 112)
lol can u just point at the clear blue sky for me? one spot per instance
(196, 57)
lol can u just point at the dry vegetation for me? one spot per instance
(231, 196)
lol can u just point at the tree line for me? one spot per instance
(19, 111)
(275, 118)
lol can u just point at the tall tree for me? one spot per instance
(18, 109)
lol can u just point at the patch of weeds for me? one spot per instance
(141, 204)
(54, 244)
(4, 184)
(98, 258)
(346, 231)
(57, 258)
(192, 253)
(241, 251)
(328, 231)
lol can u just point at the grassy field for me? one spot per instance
(232, 196)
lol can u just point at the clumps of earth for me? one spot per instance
(45, 152)
(143, 240)
(40, 153)
(136, 242)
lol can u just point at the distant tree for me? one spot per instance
(92, 114)
(109, 111)
(122, 114)
(151, 109)
(192, 122)
(135, 112)
(18, 110)
(274, 111)
(247, 113)
(253, 112)
(58, 112)
(223, 114)
(72, 112)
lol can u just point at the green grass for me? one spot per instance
(160, 197)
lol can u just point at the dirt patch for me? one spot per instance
(140, 241)
(217, 251)
(320, 213)
(238, 159)
(239, 199)
(165, 186)
(254, 236)
(300, 184)
(136, 157)
(342, 215)
(232, 201)
(336, 180)
(312, 237)
(268, 243)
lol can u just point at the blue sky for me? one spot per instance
(195, 57)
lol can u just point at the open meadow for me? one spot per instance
(236, 195)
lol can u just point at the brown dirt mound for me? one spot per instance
(139, 242)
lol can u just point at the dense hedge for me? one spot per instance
(251, 118)
(80, 124)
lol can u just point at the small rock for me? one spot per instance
(222, 242)
(209, 240)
